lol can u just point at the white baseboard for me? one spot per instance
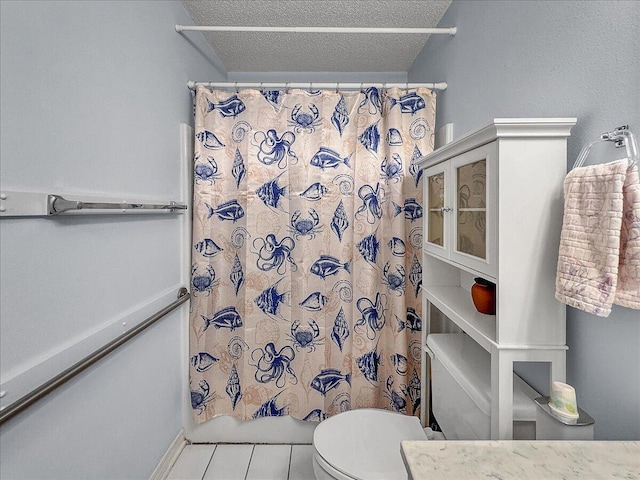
(169, 458)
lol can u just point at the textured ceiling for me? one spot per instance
(316, 52)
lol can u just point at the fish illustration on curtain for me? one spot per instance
(305, 268)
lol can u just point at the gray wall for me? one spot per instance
(92, 95)
(554, 59)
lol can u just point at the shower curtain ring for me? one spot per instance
(407, 89)
(311, 86)
(286, 87)
(337, 87)
(362, 86)
(261, 87)
(236, 87)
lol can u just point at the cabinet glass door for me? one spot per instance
(471, 209)
(435, 195)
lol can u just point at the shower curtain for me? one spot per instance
(307, 230)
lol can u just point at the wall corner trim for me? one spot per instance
(161, 471)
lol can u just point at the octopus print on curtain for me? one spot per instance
(306, 259)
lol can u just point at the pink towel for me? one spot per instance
(589, 255)
(628, 289)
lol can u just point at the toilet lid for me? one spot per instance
(365, 444)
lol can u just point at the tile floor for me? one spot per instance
(244, 462)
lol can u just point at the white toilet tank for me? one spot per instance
(461, 390)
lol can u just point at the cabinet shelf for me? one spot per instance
(456, 304)
(460, 266)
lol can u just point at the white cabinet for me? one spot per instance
(493, 209)
(461, 210)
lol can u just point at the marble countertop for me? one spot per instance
(521, 460)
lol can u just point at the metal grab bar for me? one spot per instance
(58, 204)
(36, 394)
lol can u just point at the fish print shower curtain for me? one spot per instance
(306, 251)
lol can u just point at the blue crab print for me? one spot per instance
(392, 169)
(305, 227)
(273, 254)
(273, 365)
(396, 398)
(276, 149)
(305, 338)
(372, 314)
(201, 396)
(203, 282)
(270, 409)
(303, 121)
(394, 279)
(372, 201)
(206, 172)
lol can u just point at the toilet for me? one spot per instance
(365, 444)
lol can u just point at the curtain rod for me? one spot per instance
(229, 28)
(319, 85)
